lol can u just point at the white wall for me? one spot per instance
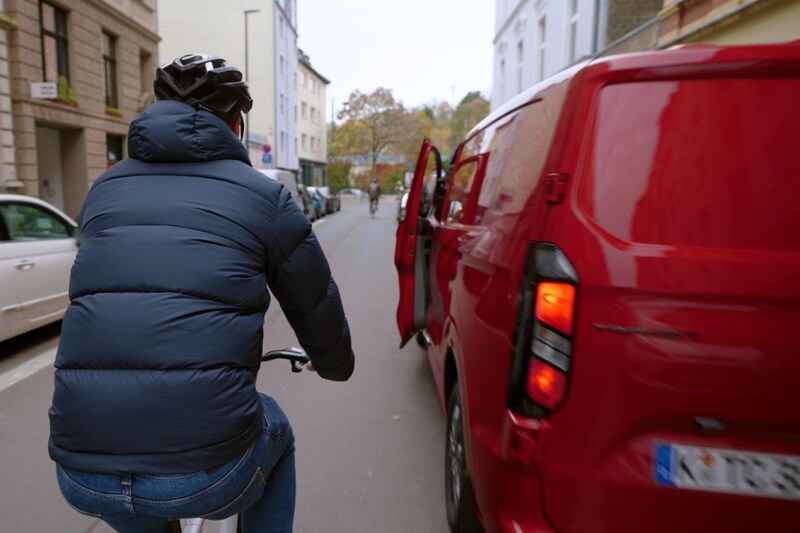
(315, 126)
(285, 149)
(518, 21)
(215, 27)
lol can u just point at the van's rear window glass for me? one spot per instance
(706, 163)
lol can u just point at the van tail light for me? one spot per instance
(555, 305)
(544, 332)
(546, 385)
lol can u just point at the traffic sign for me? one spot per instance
(266, 158)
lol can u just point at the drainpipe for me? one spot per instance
(596, 29)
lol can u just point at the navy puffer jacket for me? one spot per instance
(156, 369)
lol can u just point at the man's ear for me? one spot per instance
(236, 125)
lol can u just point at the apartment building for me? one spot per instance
(534, 39)
(8, 170)
(265, 33)
(313, 129)
(537, 38)
(79, 71)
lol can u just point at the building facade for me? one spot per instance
(286, 83)
(534, 39)
(729, 22)
(312, 126)
(8, 170)
(265, 31)
(80, 71)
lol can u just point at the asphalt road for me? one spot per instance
(370, 452)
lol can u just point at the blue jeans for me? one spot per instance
(260, 484)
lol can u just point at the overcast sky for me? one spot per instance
(419, 49)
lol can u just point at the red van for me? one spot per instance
(607, 279)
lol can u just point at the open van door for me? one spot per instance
(412, 235)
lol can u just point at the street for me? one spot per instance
(369, 451)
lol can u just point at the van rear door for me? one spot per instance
(683, 403)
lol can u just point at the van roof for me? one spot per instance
(695, 60)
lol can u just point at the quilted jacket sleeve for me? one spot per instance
(300, 279)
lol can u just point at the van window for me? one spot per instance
(460, 188)
(702, 163)
(509, 181)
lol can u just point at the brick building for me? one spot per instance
(101, 55)
(623, 16)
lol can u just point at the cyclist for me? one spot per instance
(374, 192)
(155, 413)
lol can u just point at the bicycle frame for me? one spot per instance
(298, 359)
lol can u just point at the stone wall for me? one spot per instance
(84, 124)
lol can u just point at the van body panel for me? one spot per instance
(683, 225)
(685, 304)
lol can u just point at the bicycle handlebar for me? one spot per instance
(296, 356)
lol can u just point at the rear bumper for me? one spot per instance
(504, 475)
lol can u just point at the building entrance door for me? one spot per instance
(48, 159)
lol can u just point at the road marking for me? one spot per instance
(318, 222)
(27, 369)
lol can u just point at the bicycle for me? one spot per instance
(373, 206)
(298, 359)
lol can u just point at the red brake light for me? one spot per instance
(555, 305)
(545, 385)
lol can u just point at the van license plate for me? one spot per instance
(731, 471)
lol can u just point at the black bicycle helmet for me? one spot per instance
(204, 82)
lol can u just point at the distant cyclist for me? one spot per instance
(155, 412)
(374, 192)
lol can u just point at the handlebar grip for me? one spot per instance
(296, 356)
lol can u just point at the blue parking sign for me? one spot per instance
(266, 158)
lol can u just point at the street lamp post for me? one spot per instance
(247, 11)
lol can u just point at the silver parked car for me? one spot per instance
(38, 244)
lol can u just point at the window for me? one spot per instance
(304, 112)
(295, 113)
(572, 31)
(110, 65)
(283, 141)
(728, 199)
(295, 145)
(313, 86)
(304, 141)
(502, 80)
(114, 144)
(282, 102)
(305, 79)
(283, 66)
(55, 59)
(542, 41)
(520, 63)
(29, 222)
(460, 187)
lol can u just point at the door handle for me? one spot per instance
(25, 264)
